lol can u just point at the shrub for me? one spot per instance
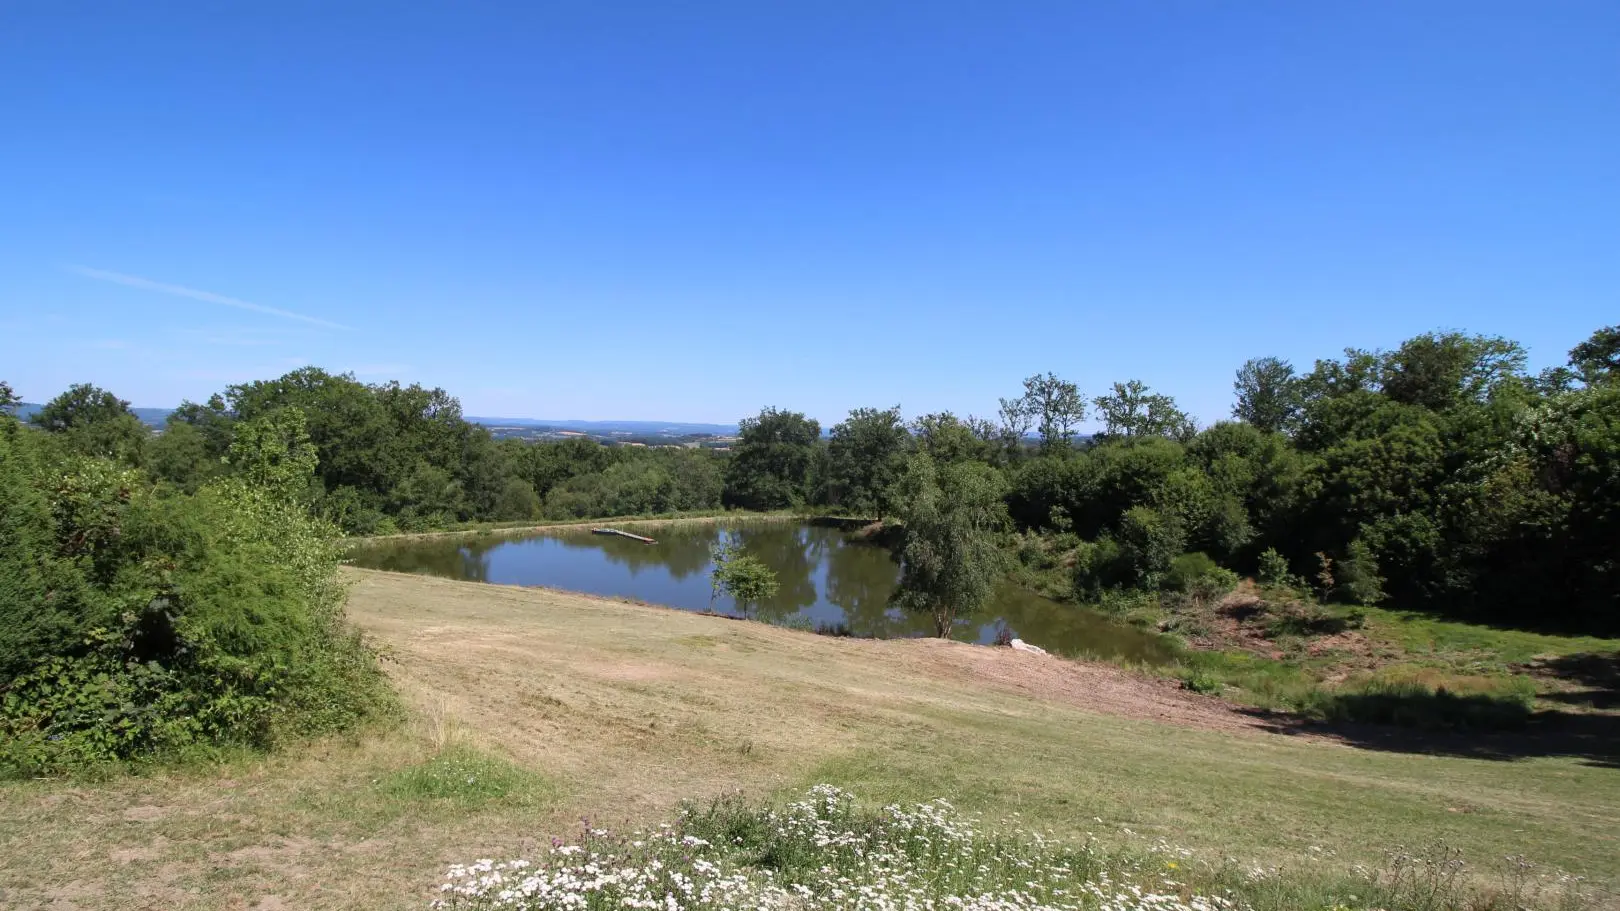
(748, 580)
(1202, 681)
(1274, 568)
(1199, 578)
(1149, 541)
(1358, 578)
(141, 623)
(1099, 568)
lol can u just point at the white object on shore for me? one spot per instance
(1022, 646)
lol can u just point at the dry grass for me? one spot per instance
(624, 710)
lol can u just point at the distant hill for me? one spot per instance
(152, 417)
(157, 416)
(604, 428)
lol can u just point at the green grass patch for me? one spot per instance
(467, 778)
(1421, 634)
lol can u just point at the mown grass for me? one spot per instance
(619, 712)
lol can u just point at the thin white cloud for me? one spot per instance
(256, 337)
(135, 281)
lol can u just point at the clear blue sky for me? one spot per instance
(687, 211)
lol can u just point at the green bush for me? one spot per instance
(1149, 541)
(1198, 577)
(1099, 568)
(1357, 574)
(140, 622)
(1274, 568)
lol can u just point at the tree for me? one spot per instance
(1440, 371)
(1016, 420)
(181, 455)
(866, 457)
(1597, 360)
(1267, 394)
(949, 560)
(1053, 405)
(274, 453)
(94, 422)
(1131, 412)
(8, 399)
(745, 578)
(770, 464)
(947, 438)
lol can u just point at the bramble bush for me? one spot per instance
(139, 621)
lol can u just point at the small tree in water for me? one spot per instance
(949, 561)
(746, 579)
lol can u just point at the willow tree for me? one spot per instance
(949, 561)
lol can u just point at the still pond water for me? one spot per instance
(827, 579)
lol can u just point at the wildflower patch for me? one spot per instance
(822, 852)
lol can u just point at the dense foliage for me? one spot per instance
(140, 620)
(1439, 475)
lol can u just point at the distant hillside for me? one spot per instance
(604, 428)
(152, 417)
(157, 416)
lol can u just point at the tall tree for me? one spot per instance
(1132, 411)
(770, 464)
(1055, 406)
(949, 560)
(947, 438)
(8, 399)
(95, 422)
(1441, 370)
(1597, 360)
(1267, 394)
(866, 457)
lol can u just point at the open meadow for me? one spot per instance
(528, 710)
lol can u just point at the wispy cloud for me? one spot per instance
(256, 337)
(146, 284)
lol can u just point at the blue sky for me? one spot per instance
(688, 211)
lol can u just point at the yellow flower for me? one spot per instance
(1171, 864)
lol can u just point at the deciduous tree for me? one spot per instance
(771, 463)
(949, 560)
(866, 457)
(1132, 411)
(1268, 394)
(1055, 407)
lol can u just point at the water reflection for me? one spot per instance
(824, 578)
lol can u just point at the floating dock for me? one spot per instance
(622, 534)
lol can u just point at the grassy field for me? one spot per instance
(531, 709)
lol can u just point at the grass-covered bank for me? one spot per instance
(566, 706)
(1280, 647)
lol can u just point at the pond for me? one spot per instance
(829, 580)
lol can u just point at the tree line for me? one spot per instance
(1438, 475)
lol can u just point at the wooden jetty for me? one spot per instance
(622, 534)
